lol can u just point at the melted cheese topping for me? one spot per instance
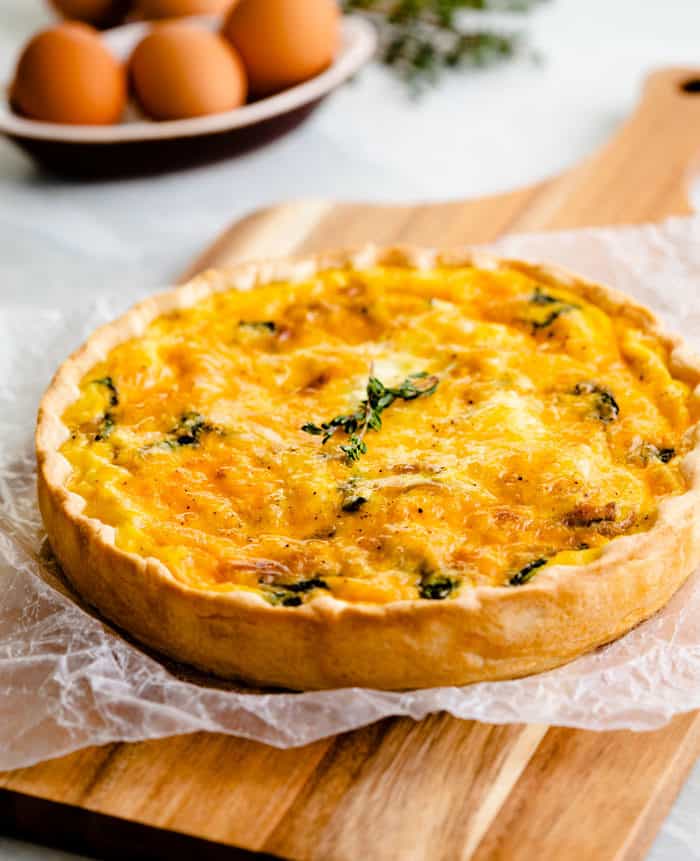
(554, 427)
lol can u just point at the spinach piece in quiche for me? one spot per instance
(306, 585)
(189, 430)
(354, 503)
(289, 594)
(605, 406)
(108, 383)
(354, 494)
(436, 587)
(368, 414)
(527, 573)
(107, 422)
(283, 599)
(539, 297)
(259, 325)
(554, 308)
(648, 451)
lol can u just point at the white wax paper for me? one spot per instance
(67, 680)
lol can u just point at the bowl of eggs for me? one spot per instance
(170, 89)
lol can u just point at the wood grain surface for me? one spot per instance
(441, 788)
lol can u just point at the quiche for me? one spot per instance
(393, 468)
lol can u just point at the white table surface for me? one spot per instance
(61, 242)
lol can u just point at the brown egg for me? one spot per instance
(180, 71)
(101, 13)
(178, 8)
(283, 42)
(67, 75)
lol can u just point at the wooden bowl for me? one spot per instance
(140, 146)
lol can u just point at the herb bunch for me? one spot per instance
(419, 39)
(368, 415)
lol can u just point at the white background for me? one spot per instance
(61, 242)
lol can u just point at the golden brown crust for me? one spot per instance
(484, 634)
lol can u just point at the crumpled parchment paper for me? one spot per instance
(67, 680)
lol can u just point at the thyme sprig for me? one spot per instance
(368, 415)
(419, 39)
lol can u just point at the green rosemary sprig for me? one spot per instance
(368, 415)
(419, 39)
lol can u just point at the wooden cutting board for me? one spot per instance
(441, 788)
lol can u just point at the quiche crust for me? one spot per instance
(484, 633)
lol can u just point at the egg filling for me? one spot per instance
(379, 435)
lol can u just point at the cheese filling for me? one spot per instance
(379, 435)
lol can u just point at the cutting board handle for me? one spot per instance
(646, 167)
(668, 119)
(641, 174)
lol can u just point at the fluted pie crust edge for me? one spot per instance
(483, 634)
